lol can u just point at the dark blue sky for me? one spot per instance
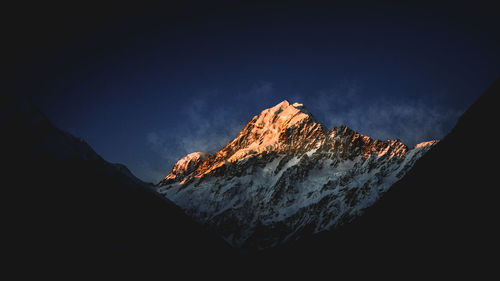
(146, 85)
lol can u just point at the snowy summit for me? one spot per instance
(286, 176)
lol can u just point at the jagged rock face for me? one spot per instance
(184, 167)
(285, 175)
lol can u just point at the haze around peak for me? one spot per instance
(208, 126)
(146, 89)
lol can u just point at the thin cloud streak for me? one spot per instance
(208, 127)
(412, 121)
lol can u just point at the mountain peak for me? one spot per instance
(276, 128)
(287, 173)
(185, 166)
(284, 103)
(426, 144)
(285, 113)
(287, 103)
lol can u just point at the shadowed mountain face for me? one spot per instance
(441, 218)
(70, 209)
(285, 176)
(67, 208)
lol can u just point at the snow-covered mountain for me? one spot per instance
(285, 176)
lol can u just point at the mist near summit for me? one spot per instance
(209, 125)
(147, 86)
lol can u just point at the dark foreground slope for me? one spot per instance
(442, 217)
(68, 209)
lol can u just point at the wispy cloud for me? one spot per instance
(208, 126)
(410, 120)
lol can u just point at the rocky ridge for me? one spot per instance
(286, 175)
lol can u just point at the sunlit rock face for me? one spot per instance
(184, 167)
(285, 176)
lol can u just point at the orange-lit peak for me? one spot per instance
(426, 143)
(284, 103)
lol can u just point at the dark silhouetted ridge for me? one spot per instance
(70, 210)
(441, 218)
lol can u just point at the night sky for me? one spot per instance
(146, 85)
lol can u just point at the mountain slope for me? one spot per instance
(438, 220)
(286, 176)
(69, 207)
